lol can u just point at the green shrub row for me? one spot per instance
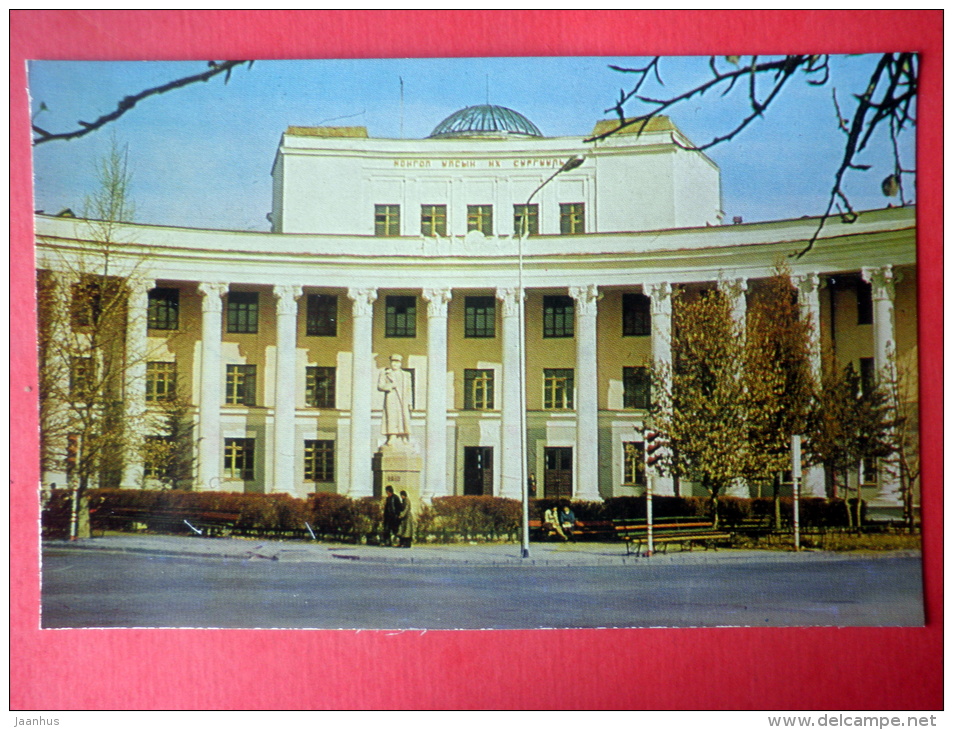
(340, 518)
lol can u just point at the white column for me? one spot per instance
(436, 484)
(362, 370)
(210, 389)
(881, 281)
(511, 471)
(283, 440)
(137, 334)
(587, 393)
(661, 297)
(808, 297)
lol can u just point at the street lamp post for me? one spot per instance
(571, 164)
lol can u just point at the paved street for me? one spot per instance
(177, 582)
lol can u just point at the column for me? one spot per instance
(210, 388)
(283, 440)
(661, 296)
(137, 308)
(735, 290)
(511, 470)
(808, 297)
(362, 370)
(882, 282)
(587, 393)
(436, 484)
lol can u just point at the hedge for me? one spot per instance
(340, 518)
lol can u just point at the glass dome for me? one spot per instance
(486, 120)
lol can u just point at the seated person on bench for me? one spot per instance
(567, 520)
(551, 522)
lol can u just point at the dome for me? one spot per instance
(486, 120)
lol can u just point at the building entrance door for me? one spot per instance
(478, 470)
(557, 478)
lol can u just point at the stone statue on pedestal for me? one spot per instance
(395, 383)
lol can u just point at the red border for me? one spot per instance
(819, 669)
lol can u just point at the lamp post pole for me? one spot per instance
(571, 164)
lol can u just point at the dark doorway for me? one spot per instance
(478, 470)
(557, 479)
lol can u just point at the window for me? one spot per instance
(636, 385)
(86, 305)
(557, 316)
(240, 459)
(322, 315)
(386, 220)
(163, 309)
(400, 319)
(319, 461)
(82, 374)
(240, 384)
(557, 389)
(433, 220)
(868, 470)
(479, 317)
(319, 387)
(155, 460)
(867, 375)
(633, 463)
(242, 312)
(529, 214)
(865, 303)
(572, 218)
(480, 218)
(160, 381)
(636, 315)
(478, 390)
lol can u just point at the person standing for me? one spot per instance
(392, 509)
(407, 523)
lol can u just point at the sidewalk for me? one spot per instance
(484, 554)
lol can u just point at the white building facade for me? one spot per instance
(414, 247)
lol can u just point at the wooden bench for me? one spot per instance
(753, 527)
(583, 530)
(684, 531)
(176, 520)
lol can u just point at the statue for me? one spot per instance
(395, 383)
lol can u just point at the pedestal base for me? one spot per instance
(398, 466)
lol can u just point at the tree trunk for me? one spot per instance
(777, 501)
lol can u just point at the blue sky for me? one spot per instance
(201, 156)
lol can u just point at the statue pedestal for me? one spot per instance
(398, 465)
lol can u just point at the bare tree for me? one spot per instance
(887, 100)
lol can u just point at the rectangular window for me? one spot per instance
(322, 315)
(557, 316)
(386, 220)
(86, 305)
(478, 390)
(637, 388)
(433, 220)
(865, 302)
(240, 384)
(636, 315)
(633, 469)
(242, 316)
(319, 461)
(163, 309)
(160, 381)
(82, 376)
(527, 215)
(155, 460)
(400, 318)
(240, 459)
(867, 375)
(479, 317)
(572, 218)
(319, 387)
(557, 389)
(480, 218)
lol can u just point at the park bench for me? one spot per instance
(583, 530)
(754, 528)
(209, 523)
(687, 532)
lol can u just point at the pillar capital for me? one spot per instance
(808, 284)
(363, 298)
(733, 286)
(287, 296)
(658, 290)
(510, 297)
(212, 293)
(881, 281)
(586, 298)
(437, 300)
(139, 290)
